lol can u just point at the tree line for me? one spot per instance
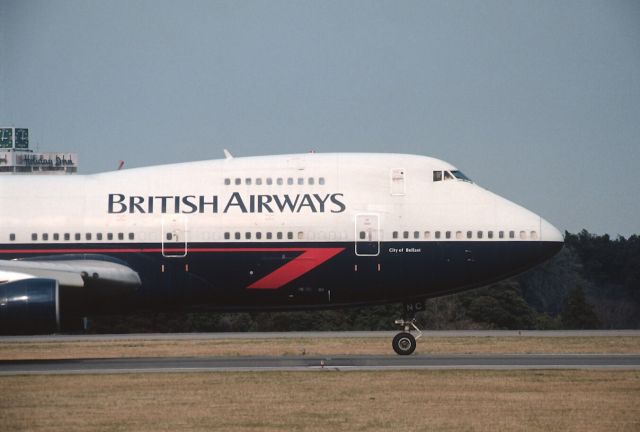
(592, 283)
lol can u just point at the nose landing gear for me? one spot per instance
(404, 343)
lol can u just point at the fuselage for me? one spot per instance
(275, 232)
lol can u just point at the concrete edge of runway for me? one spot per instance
(318, 369)
(319, 363)
(314, 335)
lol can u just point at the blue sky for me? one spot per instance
(537, 101)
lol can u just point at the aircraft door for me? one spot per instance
(398, 181)
(174, 236)
(367, 235)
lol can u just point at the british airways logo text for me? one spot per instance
(190, 204)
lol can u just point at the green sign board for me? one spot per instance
(6, 138)
(22, 139)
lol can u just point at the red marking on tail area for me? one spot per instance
(307, 261)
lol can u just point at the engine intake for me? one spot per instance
(30, 306)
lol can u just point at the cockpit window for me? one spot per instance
(460, 176)
(450, 175)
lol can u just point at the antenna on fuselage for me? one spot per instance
(120, 165)
(227, 155)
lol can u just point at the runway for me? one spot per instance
(304, 363)
(318, 335)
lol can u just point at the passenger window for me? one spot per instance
(120, 236)
(300, 235)
(310, 181)
(109, 236)
(269, 235)
(289, 181)
(77, 236)
(247, 235)
(227, 236)
(500, 234)
(269, 181)
(279, 181)
(469, 234)
(227, 181)
(427, 234)
(290, 235)
(236, 235)
(363, 235)
(169, 236)
(459, 235)
(98, 236)
(523, 235)
(512, 234)
(300, 181)
(258, 235)
(87, 236)
(279, 236)
(321, 180)
(448, 234)
(437, 234)
(258, 181)
(490, 234)
(238, 181)
(34, 236)
(12, 237)
(405, 234)
(395, 234)
(479, 234)
(534, 235)
(45, 237)
(131, 236)
(247, 181)
(416, 234)
(437, 176)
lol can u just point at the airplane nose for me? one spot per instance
(549, 233)
(551, 238)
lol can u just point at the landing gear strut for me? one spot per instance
(404, 343)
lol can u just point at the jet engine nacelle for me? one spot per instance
(30, 306)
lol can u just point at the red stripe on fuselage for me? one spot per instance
(310, 259)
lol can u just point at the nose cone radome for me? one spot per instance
(549, 233)
(551, 238)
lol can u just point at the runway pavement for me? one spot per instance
(297, 335)
(303, 363)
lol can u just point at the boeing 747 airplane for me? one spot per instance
(285, 232)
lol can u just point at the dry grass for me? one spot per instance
(319, 346)
(322, 401)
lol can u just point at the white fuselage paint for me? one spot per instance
(202, 201)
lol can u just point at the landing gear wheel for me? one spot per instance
(404, 343)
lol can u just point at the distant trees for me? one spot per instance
(594, 282)
(578, 314)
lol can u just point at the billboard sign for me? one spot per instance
(22, 139)
(6, 138)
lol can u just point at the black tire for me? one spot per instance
(404, 343)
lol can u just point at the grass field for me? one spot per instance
(318, 346)
(553, 400)
(325, 401)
